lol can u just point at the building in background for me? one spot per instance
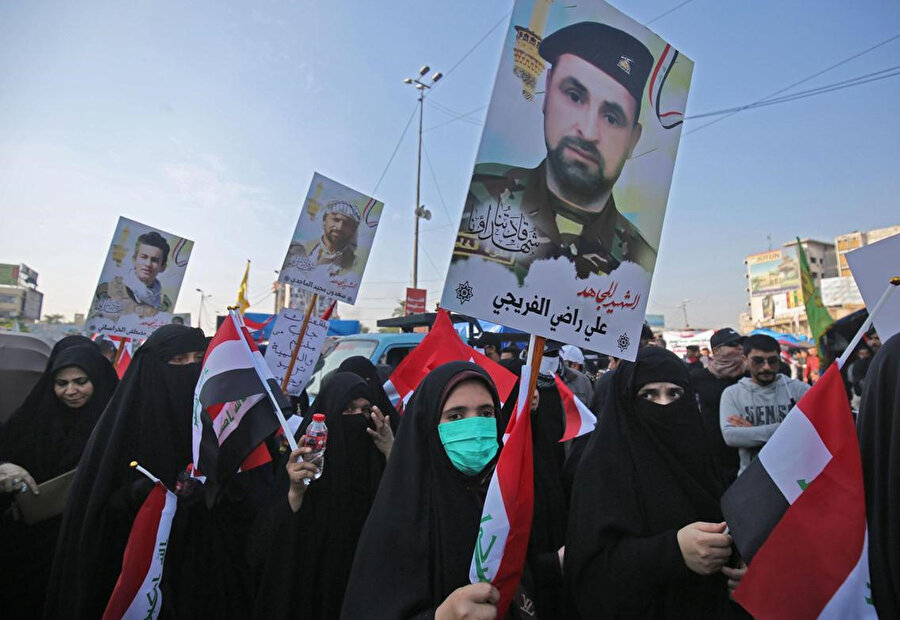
(19, 297)
(773, 281)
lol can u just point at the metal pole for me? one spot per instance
(415, 273)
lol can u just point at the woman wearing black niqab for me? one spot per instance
(148, 420)
(645, 493)
(43, 439)
(879, 443)
(363, 367)
(414, 554)
(312, 547)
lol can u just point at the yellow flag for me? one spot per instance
(242, 302)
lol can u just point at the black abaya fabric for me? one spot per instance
(311, 551)
(363, 367)
(551, 505)
(646, 472)
(416, 546)
(46, 438)
(148, 420)
(879, 443)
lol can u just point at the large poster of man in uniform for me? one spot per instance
(140, 281)
(332, 240)
(562, 221)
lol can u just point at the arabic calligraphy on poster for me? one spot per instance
(564, 213)
(281, 346)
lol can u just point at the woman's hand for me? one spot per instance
(16, 479)
(382, 436)
(298, 472)
(734, 576)
(704, 546)
(477, 601)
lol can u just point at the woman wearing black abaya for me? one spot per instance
(879, 429)
(148, 419)
(318, 527)
(363, 367)
(43, 439)
(413, 557)
(646, 537)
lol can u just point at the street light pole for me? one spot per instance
(420, 211)
(203, 298)
(684, 303)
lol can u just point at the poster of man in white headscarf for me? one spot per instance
(562, 221)
(332, 240)
(140, 281)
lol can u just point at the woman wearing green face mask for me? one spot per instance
(413, 557)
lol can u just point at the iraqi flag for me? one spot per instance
(232, 415)
(502, 542)
(440, 346)
(798, 514)
(137, 595)
(579, 419)
(123, 357)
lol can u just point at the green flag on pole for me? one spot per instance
(816, 313)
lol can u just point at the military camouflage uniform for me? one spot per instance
(595, 243)
(342, 262)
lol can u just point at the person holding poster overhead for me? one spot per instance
(591, 107)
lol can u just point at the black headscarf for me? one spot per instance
(33, 400)
(646, 473)
(46, 438)
(148, 420)
(312, 550)
(879, 443)
(363, 367)
(416, 546)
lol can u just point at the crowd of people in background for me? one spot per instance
(627, 521)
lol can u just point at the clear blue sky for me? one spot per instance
(208, 119)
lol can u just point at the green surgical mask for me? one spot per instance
(470, 443)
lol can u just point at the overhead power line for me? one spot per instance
(799, 82)
(394, 152)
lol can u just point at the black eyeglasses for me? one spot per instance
(762, 361)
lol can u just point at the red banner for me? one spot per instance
(415, 300)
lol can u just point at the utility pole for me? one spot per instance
(684, 303)
(420, 210)
(203, 298)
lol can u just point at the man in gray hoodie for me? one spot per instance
(751, 410)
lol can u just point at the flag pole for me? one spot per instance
(284, 425)
(296, 351)
(535, 354)
(134, 465)
(119, 351)
(894, 283)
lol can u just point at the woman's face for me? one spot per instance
(358, 405)
(661, 392)
(73, 387)
(467, 400)
(183, 359)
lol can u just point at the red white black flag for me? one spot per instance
(137, 594)
(799, 507)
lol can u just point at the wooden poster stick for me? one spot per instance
(296, 351)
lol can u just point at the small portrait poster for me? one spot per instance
(332, 241)
(282, 343)
(562, 221)
(139, 282)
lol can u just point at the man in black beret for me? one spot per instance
(592, 102)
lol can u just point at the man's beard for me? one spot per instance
(575, 178)
(337, 241)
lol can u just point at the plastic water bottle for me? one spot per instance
(316, 438)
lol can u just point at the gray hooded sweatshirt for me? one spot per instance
(764, 406)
